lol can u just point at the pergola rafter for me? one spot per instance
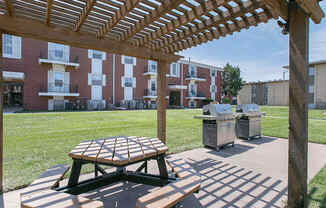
(48, 12)
(9, 7)
(84, 14)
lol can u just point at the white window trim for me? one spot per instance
(150, 64)
(123, 59)
(65, 49)
(194, 67)
(16, 47)
(91, 53)
(311, 89)
(177, 70)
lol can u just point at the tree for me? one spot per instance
(232, 82)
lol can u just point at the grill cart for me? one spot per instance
(218, 125)
(248, 121)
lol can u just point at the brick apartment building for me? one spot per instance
(47, 76)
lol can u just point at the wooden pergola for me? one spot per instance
(158, 29)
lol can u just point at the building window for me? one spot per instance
(152, 66)
(192, 90)
(153, 86)
(175, 72)
(11, 46)
(311, 89)
(128, 60)
(192, 104)
(94, 54)
(192, 72)
(59, 78)
(311, 71)
(128, 81)
(213, 73)
(97, 80)
(58, 52)
(213, 89)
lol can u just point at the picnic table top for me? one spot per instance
(118, 150)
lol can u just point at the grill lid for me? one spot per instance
(217, 109)
(248, 108)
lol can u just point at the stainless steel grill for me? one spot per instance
(248, 121)
(218, 125)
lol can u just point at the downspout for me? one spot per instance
(113, 79)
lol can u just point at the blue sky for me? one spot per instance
(260, 52)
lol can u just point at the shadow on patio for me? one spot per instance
(223, 185)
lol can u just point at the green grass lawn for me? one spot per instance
(35, 141)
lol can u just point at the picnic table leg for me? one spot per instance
(162, 166)
(96, 169)
(75, 173)
(146, 166)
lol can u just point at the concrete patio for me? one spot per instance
(252, 174)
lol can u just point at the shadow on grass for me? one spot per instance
(316, 202)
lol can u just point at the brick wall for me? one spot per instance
(36, 75)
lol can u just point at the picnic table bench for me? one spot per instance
(175, 192)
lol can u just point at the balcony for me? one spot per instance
(59, 89)
(150, 94)
(149, 71)
(59, 57)
(194, 77)
(196, 96)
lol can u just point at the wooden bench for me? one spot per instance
(188, 182)
(40, 193)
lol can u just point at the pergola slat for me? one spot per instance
(120, 14)
(189, 16)
(167, 5)
(84, 14)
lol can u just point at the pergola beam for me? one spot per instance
(84, 14)
(312, 8)
(154, 15)
(48, 12)
(9, 7)
(119, 15)
(279, 6)
(37, 30)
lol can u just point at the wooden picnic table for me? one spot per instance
(118, 152)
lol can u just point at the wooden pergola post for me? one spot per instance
(161, 99)
(298, 107)
(1, 118)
